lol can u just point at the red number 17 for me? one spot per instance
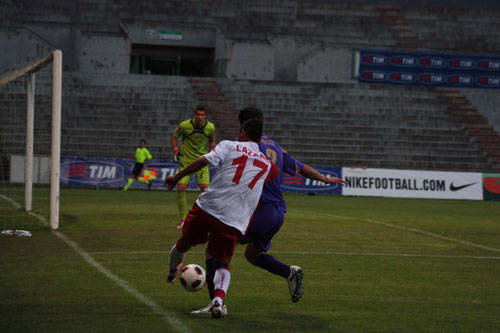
(241, 162)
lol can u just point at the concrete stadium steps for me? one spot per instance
(321, 124)
(438, 26)
(219, 108)
(100, 110)
(339, 124)
(456, 29)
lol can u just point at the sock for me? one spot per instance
(273, 265)
(182, 204)
(142, 180)
(130, 180)
(210, 267)
(221, 281)
(176, 257)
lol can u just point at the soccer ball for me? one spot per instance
(192, 277)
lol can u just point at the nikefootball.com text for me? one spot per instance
(435, 185)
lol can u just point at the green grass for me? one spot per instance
(370, 264)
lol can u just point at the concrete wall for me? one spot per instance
(31, 42)
(105, 54)
(326, 65)
(278, 59)
(252, 60)
(22, 47)
(288, 60)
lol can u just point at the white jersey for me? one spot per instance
(234, 192)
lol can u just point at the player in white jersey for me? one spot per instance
(223, 212)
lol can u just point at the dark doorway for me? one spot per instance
(171, 60)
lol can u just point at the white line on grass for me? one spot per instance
(373, 254)
(15, 204)
(418, 231)
(170, 319)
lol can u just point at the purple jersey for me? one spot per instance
(285, 163)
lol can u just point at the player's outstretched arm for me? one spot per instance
(314, 174)
(198, 164)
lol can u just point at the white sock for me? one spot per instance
(221, 282)
(176, 257)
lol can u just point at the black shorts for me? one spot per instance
(137, 169)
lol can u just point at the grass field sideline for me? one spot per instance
(371, 264)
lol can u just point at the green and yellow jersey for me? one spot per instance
(195, 139)
(141, 154)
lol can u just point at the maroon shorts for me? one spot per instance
(200, 227)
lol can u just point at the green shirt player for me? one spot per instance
(197, 134)
(141, 155)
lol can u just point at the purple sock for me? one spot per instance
(273, 265)
(210, 266)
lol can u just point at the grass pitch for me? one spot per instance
(370, 264)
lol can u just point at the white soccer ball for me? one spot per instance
(192, 277)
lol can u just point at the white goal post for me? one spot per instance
(56, 59)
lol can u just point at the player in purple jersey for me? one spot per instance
(270, 214)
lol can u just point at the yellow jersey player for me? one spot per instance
(198, 137)
(141, 155)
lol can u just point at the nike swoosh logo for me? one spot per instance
(457, 188)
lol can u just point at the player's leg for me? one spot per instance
(221, 244)
(181, 202)
(266, 261)
(136, 171)
(222, 278)
(142, 180)
(203, 178)
(194, 231)
(293, 274)
(210, 271)
(181, 190)
(266, 223)
(177, 256)
(129, 182)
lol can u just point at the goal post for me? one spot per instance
(11, 147)
(55, 164)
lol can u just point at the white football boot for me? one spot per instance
(216, 309)
(295, 283)
(206, 310)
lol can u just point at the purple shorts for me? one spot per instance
(266, 222)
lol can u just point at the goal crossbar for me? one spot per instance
(30, 68)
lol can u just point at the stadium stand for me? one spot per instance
(336, 123)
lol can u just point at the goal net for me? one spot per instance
(30, 135)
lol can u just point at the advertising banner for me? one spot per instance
(428, 69)
(114, 172)
(413, 184)
(491, 187)
(299, 183)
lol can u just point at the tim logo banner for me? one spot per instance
(491, 187)
(114, 172)
(299, 183)
(428, 69)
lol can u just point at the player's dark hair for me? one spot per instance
(200, 108)
(253, 128)
(250, 112)
(142, 140)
